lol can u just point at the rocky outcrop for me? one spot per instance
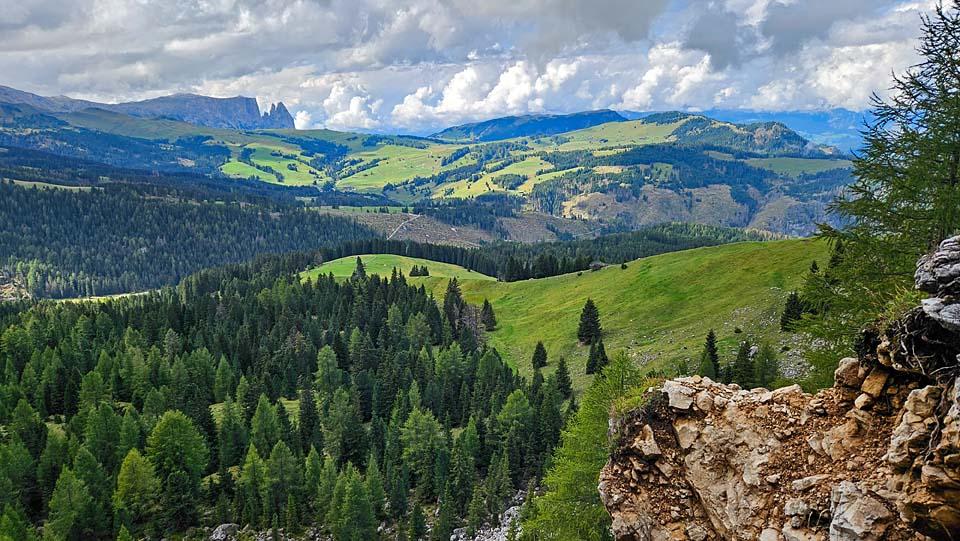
(239, 113)
(875, 457)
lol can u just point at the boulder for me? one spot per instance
(225, 532)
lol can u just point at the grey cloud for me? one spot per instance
(789, 26)
(717, 32)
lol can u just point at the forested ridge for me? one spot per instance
(115, 240)
(512, 261)
(245, 395)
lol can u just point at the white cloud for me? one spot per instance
(417, 65)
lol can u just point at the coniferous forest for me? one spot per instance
(247, 396)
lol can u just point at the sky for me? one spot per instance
(419, 65)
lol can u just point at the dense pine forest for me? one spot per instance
(63, 243)
(245, 395)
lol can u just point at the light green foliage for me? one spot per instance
(69, 509)
(138, 489)
(571, 508)
(176, 445)
(264, 426)
(421, 436)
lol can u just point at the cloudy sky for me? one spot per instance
(416, 65)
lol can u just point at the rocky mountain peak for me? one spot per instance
(875, 457)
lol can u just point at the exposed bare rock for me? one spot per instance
(876, 457)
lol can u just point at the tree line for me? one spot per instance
(245, 395)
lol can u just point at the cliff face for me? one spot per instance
(876, 457)
(237, 113)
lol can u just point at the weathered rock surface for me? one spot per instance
(876, 457)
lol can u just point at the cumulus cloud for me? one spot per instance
(418, 65)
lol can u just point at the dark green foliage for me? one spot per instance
(597, 358)
(710, 359)
(487, 317)
(589, 330)
(539, 356)
(417, 528)
(142, 242)
(766, 365)
(563, 380)
(792, 312)
(743, 370)
(382, 386)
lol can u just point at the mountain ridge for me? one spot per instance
(508, 127)
(238, 113)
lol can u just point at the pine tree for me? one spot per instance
(792, 312)
(69, 508)
(597, 359)
(743, 369)
(562, 376)
(766, 365)
(539, 356)
(487, 317)
(476, 511)
(710, 358)
(589, 330)
(359, 272)
(374, 485)
(417, 529)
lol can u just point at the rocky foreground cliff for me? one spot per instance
(875, 457)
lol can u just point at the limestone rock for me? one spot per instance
(225, 532)
(857, 516)
(876, 457)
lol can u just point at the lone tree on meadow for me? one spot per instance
(589, 331)
(598, 357)
(360, 271)
(709, 358)
(539, 356)
(487, 317)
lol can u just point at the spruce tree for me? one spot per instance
(539, 356)
(562, 376)
(359, 272)
(743, 369)
(417, 529)
(597, 359)
(792, 311)
(589, 330)
(487, 317)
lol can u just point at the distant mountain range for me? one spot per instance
(598, 169)
(840, 128)
(238, 113)
(835, 127)
(508, 127)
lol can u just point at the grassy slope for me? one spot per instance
(383, 264)
(658, 309)
(796, 166)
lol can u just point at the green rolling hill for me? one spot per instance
(658, 309)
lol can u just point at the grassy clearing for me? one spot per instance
(49, 186)
(658, 309)
(237, 169)
(383, 264)
(397, 164)
(797, 166)
(614, 134)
